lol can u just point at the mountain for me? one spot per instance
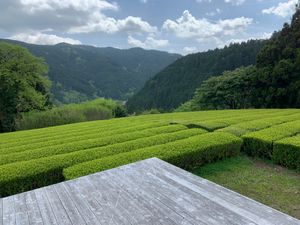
(177, 83)
(80, 72)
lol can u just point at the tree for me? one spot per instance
(232, 90)
(23, 84)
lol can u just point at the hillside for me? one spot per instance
(178, 82)
(81, 72)
(273, 82)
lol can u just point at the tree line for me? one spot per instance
(177, 83)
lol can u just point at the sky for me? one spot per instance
(179, 26)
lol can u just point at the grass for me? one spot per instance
(260, 180)
(98, 109)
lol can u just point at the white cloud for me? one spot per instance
(73, 16)
(96, 21)
(149, 43)
(43, 39)
(187, 26)
(136, 25)
(283, 9)
(200, 1)
(235, 2)
(78, 5)
(189, 50)
(100, 23)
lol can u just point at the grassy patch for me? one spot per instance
(260, 180)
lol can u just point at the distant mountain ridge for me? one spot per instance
(177, 82)
(80, 72)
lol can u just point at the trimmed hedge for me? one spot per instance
(45, 134)
(90, 135)
(224, 122)
(286, 152)
(186, 153)
(259, 124)
(260, 143)
(26, 175)
(67, 133)
(86, 144)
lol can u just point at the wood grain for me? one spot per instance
(149, 192)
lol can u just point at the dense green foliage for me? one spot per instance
(79, 73)
(23, 85)
(39, 157)
(229, 91)
(273, 83)
(185, 153)
(244, 127)
(98, 109)
(260, 143)
(286, 152)
(177, 83)
(167, 134)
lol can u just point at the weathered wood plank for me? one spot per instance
(132, 207)
(9, 216)
(33, 211)
(90, 194)
(109, 199)
(162, 213)
(242, 205)
(59, 211)
(69, 206)
(1, 211)
(47, 214)
(118, 204)
(81, 204)
(137, 204)
(209, 211)
(194, 206)
(143, 193)
(21, 210)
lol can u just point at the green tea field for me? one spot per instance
(36, 158)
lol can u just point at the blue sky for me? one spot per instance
(181, 26)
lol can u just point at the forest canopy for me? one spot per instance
(177, 83)
(272, 83)
(23, 84)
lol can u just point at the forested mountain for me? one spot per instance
(81, 72)
(274, 82)
(177, 83)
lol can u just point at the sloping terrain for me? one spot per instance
(35, 158)
(177, 83)
(80, 72)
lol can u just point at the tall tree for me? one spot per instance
(23, 84)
